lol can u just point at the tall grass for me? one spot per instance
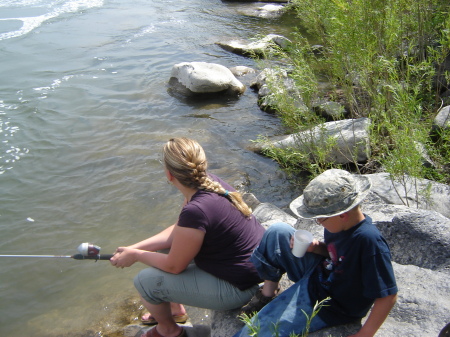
(380, 57)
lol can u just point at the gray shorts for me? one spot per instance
(193, 287)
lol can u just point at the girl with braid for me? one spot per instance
(215, 229)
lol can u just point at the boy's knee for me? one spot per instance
(280, 228)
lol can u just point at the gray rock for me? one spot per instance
(197, 330)
(442, 119)
(258, 48)
(412, 242)
(420, 246)
(421, 309)
(268, 11)
(201, 77)
(426, 159)
(271, 83)
(269, 214)
(349, 139)
(408, 191)
(242, 70)
(330, 110)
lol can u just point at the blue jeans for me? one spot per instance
(288, 310)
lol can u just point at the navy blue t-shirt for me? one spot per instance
(230, 237)
(358, 271)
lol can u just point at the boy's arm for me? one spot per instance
(380, 310)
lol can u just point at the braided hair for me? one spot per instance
(186, 161)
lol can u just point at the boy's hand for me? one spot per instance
(311, 248)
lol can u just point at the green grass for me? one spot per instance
(254, 327)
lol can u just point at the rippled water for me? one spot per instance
(84, 111)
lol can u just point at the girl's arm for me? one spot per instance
(186, 243)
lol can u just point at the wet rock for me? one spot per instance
(190, 78)
(268, 11)
(242, 71)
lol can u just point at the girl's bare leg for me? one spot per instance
(163, 315)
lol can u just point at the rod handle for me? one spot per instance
(97, 257)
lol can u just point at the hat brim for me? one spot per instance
(363, 185)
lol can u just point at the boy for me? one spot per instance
(352, 266)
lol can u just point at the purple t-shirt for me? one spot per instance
(230, 237)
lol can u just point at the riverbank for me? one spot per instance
(419, 239)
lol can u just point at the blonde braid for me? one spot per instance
(234, 197)
(186, 161)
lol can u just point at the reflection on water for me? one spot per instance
(84, 111)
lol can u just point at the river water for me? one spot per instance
(84, 111)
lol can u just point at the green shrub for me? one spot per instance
(380, 57)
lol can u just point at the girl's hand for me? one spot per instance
(124, 257)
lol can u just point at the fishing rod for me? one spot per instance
(86, 251)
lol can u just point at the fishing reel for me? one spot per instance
(90, 251)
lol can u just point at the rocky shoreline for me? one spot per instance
(416, 226)
(419, 238)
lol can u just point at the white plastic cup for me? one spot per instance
(302, 240)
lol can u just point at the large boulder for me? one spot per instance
(420, 246)
(345, 141)
(191, 78)
(408, 191)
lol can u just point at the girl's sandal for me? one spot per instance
(177, 318)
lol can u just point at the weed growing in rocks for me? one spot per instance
(381, 60)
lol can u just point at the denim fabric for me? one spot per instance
(288, 310)
(274, 257)
(286, 314)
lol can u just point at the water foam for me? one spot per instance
(8, 155)
(56, 9)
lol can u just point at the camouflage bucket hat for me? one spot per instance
(331, 193)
